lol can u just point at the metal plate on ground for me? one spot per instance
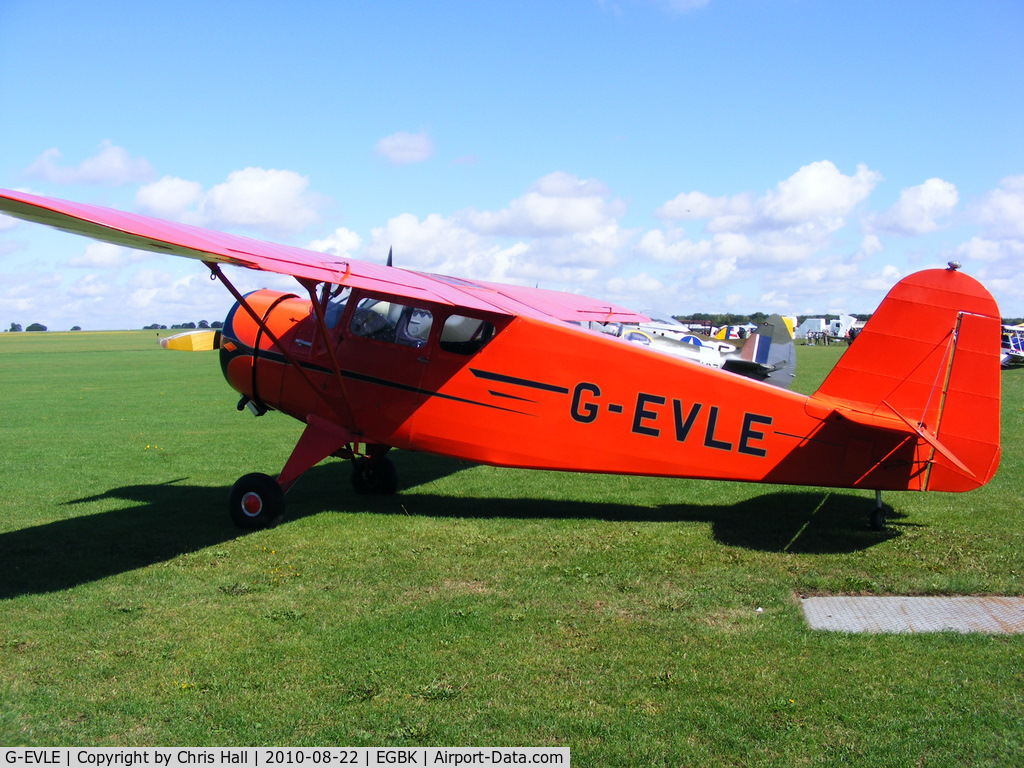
(991, 615)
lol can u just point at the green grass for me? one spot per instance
(480, 606)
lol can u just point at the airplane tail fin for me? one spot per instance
(768, 354)
(927, 364)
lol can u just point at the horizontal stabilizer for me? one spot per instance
(933, 441)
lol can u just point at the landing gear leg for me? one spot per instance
(257, 500)
(877, 517)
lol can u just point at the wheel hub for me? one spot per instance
(252, 504)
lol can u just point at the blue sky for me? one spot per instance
(682, 155)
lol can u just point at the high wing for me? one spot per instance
(145, 233)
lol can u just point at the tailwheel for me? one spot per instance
(256, 501)
(374, 475)
(877, 520)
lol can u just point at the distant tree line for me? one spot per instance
(16, 328)
(202, 325)
(717, 320)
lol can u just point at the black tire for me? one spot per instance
(877, 519)
(378, 477)
(256, 502)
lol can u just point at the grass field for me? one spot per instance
(480, 606)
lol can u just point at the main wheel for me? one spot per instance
(256, 501)
(377, 476)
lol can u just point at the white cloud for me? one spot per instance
(693, 206)
(869, 246)
(111, 165)
(997, 264)
(671, 246)
(100, 255)
(640, 284)
(717, 272)
(403, 148)
(809, 205)
(561, 232)
(919, 208)
(269, 201)
(260, 198)
(447, 246)
(981, 249)
(818, 193)
(1001, 211)
(25, 297)
(341, 242)
(603, 245)
(823, 284)
(557, 204)
(91, 287)
(884, 279)
(787, 225)
(436, 243)
(169, 197)
(162, 297)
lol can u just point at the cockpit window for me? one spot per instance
(388, 321)
(336, 305)
(465, 335)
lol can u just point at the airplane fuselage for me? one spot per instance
(549, 395)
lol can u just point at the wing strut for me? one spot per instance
(319, 309)
(219, 275)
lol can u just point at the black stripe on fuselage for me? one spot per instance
(515, 380)
(277, 357)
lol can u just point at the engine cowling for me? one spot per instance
(255, 366)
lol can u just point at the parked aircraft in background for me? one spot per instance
(192, 341)
(767, 354)
(1011, 351)
(371, 357)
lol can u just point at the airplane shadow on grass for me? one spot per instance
(169, 519)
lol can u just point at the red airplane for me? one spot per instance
(374, 357)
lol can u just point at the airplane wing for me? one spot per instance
(132, 230)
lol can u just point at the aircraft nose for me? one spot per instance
(247, 339)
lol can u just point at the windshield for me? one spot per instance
(336, 305)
